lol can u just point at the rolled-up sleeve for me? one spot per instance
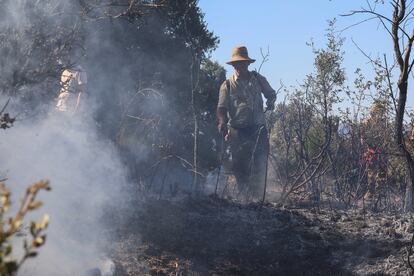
(268, 92)
(224, 97)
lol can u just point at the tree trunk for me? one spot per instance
(402, 99)
(195, 66)
(408, 203)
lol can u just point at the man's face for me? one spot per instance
(240, 66)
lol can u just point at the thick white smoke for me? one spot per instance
(86, 177)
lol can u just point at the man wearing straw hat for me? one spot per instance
(241, 120)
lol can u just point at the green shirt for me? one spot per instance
(243, 100)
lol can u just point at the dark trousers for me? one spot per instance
(249, 148)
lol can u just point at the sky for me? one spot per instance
(285, 27)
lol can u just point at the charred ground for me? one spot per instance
(211, 236)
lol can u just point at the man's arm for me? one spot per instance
(222, 108)
(268, 92)
(82, 81)
(222, 119)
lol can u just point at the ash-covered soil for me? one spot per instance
(211, 236)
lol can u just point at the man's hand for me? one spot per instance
(270, 105)
(222, 120)
(222, 128)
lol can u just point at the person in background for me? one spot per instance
(73, 86)
(375, 163)
(241, 121)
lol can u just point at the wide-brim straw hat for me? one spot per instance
(240, 54)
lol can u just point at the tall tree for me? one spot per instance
(402, 37)
(304, 132)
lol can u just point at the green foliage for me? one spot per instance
(306, 130)
(187, 21)
(30, 48)
(324, 85)
(165, 53)
(212, 76)
(324, 152)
